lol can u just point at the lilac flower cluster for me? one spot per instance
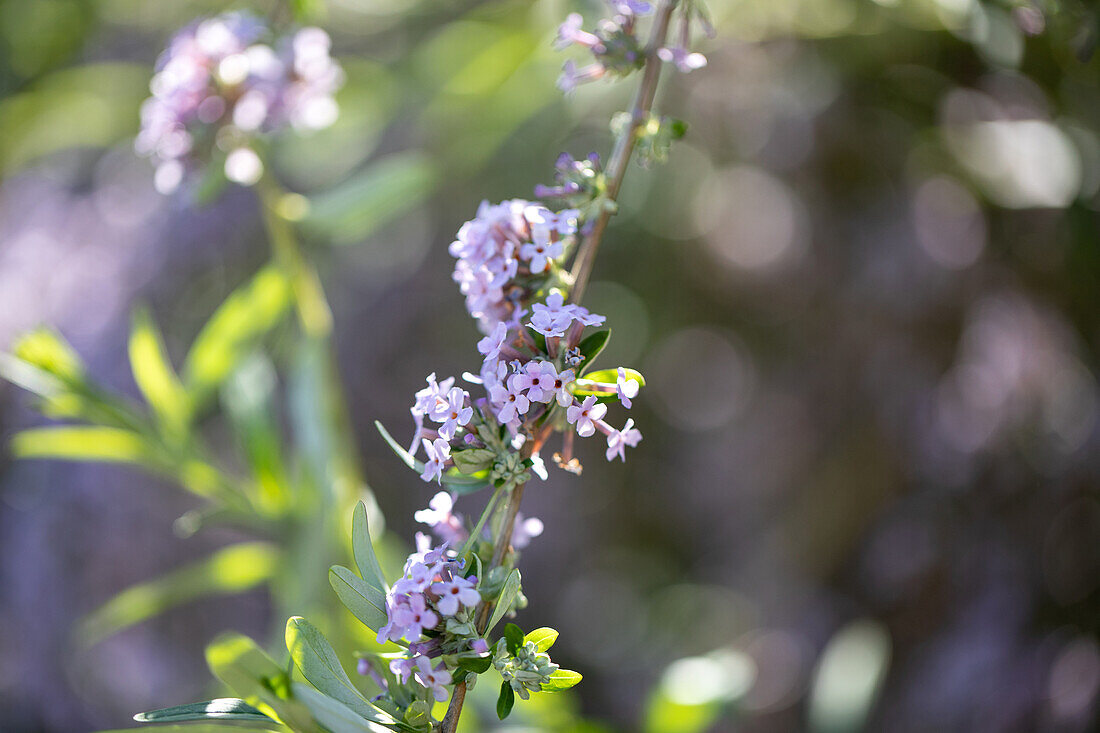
(218, 87)
(431, 609)
(506, 243)
(510, 267)
(615, 47)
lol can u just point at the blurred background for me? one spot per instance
(864, 291)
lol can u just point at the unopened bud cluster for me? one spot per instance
(527, 670)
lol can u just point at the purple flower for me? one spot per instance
(455, 593)
(571, 76)
(631, 7)
(683, 59)
(440, 518)
(571, 32)
(627, 389)
(402, 669)
(585, 415)
(438, 452)
(561, 387)
(453, 412)
(434, 679)
(618, 440)
(541, 379)
(491, 345)
(511, 400)
(480, 646)
(541, 252)
(553, 317)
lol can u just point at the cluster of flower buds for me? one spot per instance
(525, 668)
(219, 86)
(615, 47)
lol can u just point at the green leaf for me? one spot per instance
(351, 212)
(506, 598)
(514, 636)
(224, 708)
(83, 443)
(590, 348)
(214, 726)
(248, 397)
(544, 638)
(561, 679)
(45, 349)
(365, 602)
(248, 671)
(154, 374)
(319, 664)
(229, 570)
(611, 376)
(247, 314)
(363, 548)
(477, 665)
(472, 460)
(505, 701)
(333, 714)
(454, 481)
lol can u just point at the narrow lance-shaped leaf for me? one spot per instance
(314, 656)
(84, 443)
(507, 597)
(453, 480)
(154, 374)
(223, 708)
(248, 313)
(248, 671)
(365, 602)
(331, 713)
(363, 548)
(591, 347)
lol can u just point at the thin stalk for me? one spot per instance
(624, 148)
(582, 271)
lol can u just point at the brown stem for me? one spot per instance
(582, 270)
(624, 148)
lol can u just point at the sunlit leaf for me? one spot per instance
(249, 672)
(45, 349)
(83, 443)
(247, 314)
(561, 679)
(232, 569)
(543, 638)
(223, 708)
(314, 656)
(154, 374)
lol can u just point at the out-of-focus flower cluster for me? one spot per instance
(219, 87)
(615, 47)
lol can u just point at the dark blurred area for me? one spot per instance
(864, 292)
